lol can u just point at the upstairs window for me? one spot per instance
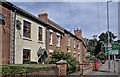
(58, 40)
(27, 29)
(74, 43)
(78, 44)
(2, 17)
(40, 34)
(68, 40)
(74, 54)
(79, 57)
(51, 37)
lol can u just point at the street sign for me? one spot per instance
(112, 48)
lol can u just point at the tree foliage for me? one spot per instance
(101, 56)
(59, 55)
(91, 45)
(95, 46)
(104, 37)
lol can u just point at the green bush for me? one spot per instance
(101, 56)
(8, 69)
(59, 55)
(90, 57)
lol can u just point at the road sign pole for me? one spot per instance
(114, 63)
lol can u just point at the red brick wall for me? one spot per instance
(64, 44)
(63, 40)
(5, 35)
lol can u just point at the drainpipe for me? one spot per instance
(14, 38)
(46, 40)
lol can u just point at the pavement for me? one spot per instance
(103, 70)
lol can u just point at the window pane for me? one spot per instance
(51, 37)
(26, 29)
(69, 40)
(40, 34)
(26, 56)
(74, 43)
(58, 40)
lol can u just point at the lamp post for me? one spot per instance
(108, 34)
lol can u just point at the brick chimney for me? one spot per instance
(78, 33)
(43, 15)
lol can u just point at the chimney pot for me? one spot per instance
(43, 15)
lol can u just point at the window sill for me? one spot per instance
(58, 46)
(50, 44)
(68, 45)
(69, 51)
(27, 39)
(40, 42)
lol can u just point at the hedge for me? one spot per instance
(9, 69)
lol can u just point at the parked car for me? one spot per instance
(96, 60)
(103, 61)
(117, 59)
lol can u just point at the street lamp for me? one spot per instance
(108, 33)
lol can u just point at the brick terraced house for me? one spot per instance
(24, 37)
(5, 22)
(64, 41)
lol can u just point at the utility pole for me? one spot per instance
(109, 68)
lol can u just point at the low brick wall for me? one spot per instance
(89, 67)
(78, 67)
(53, 71)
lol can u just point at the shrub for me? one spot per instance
(9, 69)
(101, 56)
(90, 57)
(59, 55)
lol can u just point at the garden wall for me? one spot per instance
(52, 71)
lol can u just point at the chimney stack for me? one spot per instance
(43, 15)
(78, 33)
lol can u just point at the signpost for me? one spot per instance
(112, 49)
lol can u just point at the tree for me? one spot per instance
(91, 45)
(95, 46)
(95, 36)
(104, 37)
(59, 55)
(101, 56)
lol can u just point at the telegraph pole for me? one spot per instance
(108, 35)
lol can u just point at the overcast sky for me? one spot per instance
(91, 17)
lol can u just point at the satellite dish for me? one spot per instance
(18, 23)
(2, 17)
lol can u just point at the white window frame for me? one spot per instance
(68, 40)
(51, 37)
(74, 43)
(79, 57)
(50, 51)
(78, 44)
(74, 54)
(58, 39)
